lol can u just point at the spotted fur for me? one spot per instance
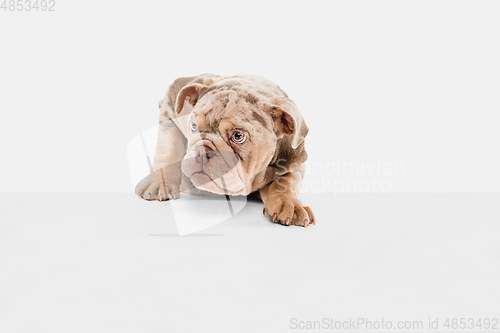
(275, 128)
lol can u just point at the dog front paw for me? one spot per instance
(288, 210)
(161, 185)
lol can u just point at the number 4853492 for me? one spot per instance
(28, 5)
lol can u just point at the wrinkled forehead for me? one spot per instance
(234, 107)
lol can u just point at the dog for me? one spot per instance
(231, 135)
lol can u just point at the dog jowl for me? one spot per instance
(231, 136)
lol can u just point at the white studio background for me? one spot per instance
(411, 83)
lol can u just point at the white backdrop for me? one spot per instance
(401, 93)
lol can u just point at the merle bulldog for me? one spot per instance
(230, 136)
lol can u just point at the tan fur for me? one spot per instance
(198, 117)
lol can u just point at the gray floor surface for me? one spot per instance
(115, 263)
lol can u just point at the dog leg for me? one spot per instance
(281, 203)
(164, 182)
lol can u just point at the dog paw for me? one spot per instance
(160, 185)
(288, 210)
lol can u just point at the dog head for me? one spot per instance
(233, 130)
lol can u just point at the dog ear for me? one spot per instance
(288, 120)
(191, 90)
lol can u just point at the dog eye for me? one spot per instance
(193, 126)
(238, 137)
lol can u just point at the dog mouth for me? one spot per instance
(201, 178)
(213, 170)
(204, 181)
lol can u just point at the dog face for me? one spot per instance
(232, 133)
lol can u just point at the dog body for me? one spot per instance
(230, 135)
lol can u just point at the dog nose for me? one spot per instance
(203, 153)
